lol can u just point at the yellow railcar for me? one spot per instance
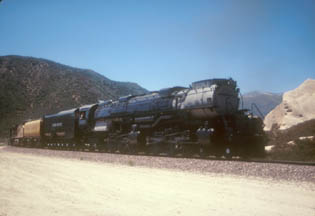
(32, 129)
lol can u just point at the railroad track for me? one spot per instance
(234, 159)
(301, 163)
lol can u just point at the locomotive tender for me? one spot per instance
(204, 118)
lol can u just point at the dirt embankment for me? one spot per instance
(245, 169)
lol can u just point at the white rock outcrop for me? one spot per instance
(297, 106)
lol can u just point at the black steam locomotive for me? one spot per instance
(203, 119)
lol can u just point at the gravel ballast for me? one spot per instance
(248, 169)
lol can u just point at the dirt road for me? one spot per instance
(40, 185)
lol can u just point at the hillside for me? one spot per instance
(297, 107)
(31, 87)
(265, 101)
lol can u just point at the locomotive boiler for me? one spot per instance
(203, 118)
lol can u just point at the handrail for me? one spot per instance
(255, 106)
(242, 100)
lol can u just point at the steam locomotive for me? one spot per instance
(202, 119)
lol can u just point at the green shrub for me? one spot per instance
(302, 150)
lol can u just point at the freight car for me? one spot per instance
(203, 119)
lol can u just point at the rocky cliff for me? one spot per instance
(297, 106)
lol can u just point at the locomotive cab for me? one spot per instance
(86, 115)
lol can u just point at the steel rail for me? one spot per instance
(249, 160)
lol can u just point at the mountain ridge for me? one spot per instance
(31, 87)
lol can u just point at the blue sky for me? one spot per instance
(263, 45)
